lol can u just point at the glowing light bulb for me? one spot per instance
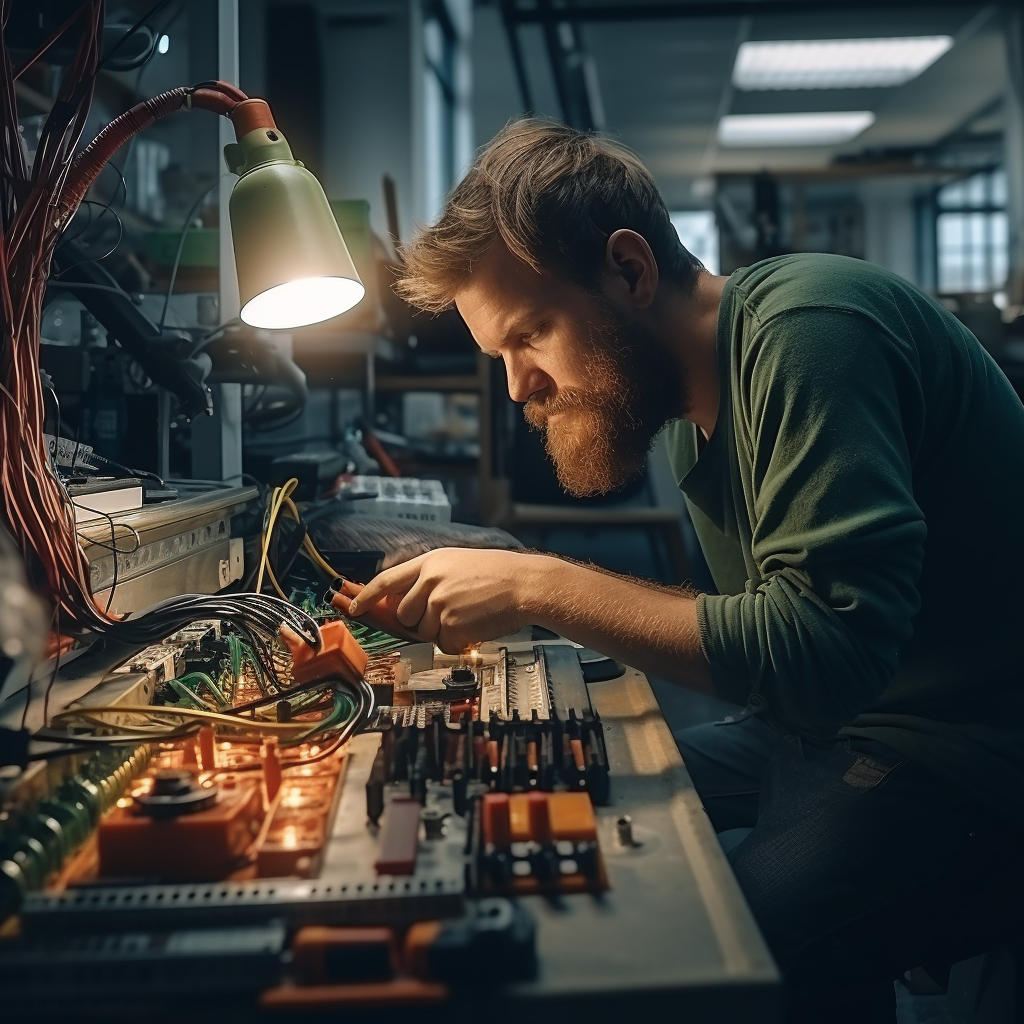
(308, 300)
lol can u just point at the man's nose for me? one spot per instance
(523, 380)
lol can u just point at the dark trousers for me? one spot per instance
(859, 864)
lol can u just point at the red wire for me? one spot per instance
(34, 209)
(49, 42)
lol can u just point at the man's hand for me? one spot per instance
(456, 597)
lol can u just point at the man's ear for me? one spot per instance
(630, 269)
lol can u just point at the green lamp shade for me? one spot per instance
(293, 265)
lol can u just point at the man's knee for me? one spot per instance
(726, 761)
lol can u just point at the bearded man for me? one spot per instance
(853, 462)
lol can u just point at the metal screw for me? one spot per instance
(624, 831)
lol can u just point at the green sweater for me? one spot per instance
(861, 507)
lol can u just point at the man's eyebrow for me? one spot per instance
(517, 324)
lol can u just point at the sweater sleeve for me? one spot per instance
(825, 411)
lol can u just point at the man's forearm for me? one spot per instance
(648, 628)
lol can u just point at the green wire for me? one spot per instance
(194, 678)
(184, 691)
(342, 713)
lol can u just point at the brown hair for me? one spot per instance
(554, 195)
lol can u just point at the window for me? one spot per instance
(698, 232)
(439, 95)
(972, 234)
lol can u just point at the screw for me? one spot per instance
(624, 831)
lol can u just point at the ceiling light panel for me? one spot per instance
(811, 129)
(835, 63)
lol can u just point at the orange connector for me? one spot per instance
(338, 655)
(381, 615)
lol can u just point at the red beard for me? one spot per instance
(598, 435)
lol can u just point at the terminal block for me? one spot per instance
(535, 843)
(339, 655)
(502, 756)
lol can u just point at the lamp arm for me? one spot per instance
(218, 97)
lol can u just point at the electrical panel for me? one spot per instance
(389, 855)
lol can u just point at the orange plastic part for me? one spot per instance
(294, 839)
(572, 817)
(540, 819)
(519, 818)
(382, 615)
(418, 940)
(250, 115)
(339, 655)
(270, 756)
(324, 955)
(497, 827)
(205, 846)
(529, 818)
(207, 748)
(401, 992)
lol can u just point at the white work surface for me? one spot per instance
(674, 934)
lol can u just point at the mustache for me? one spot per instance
(537, 410)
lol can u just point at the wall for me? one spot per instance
(890, 230)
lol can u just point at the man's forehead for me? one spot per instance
(501, 291)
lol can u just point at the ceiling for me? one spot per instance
(662, 83)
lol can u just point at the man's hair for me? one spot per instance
(553, 195)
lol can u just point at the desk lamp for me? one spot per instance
(292, 263)
(293, 269)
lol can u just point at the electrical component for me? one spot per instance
(535, 842)
(246, 806)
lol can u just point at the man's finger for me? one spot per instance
(396, 580)
(410, 608)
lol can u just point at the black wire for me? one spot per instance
(109, 252)
(142, 70)
(216, 334)
(155, 9)
(129, 470)
(161, 31)
(177, 256)
(72, 286)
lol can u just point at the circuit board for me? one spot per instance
(472, 779)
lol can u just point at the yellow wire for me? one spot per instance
(277, 499)
(307, 544)
(257, 726)
(281, 499)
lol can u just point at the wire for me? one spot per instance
(281, 500)
(74, 286)
(177, 256)
(128, 469)
(109, 252)
(155, 9)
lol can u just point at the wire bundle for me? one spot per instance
(36, 204)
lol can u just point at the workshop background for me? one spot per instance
(897, 138)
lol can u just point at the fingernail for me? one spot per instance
(352, 608)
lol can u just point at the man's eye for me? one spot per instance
(535, 333)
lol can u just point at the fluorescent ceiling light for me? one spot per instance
(835, 63)
(827, 129)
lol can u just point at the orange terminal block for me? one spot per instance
(381, 616)
(338, 655)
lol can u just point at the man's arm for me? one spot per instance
(457, 597)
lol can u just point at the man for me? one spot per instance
(854, 466)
